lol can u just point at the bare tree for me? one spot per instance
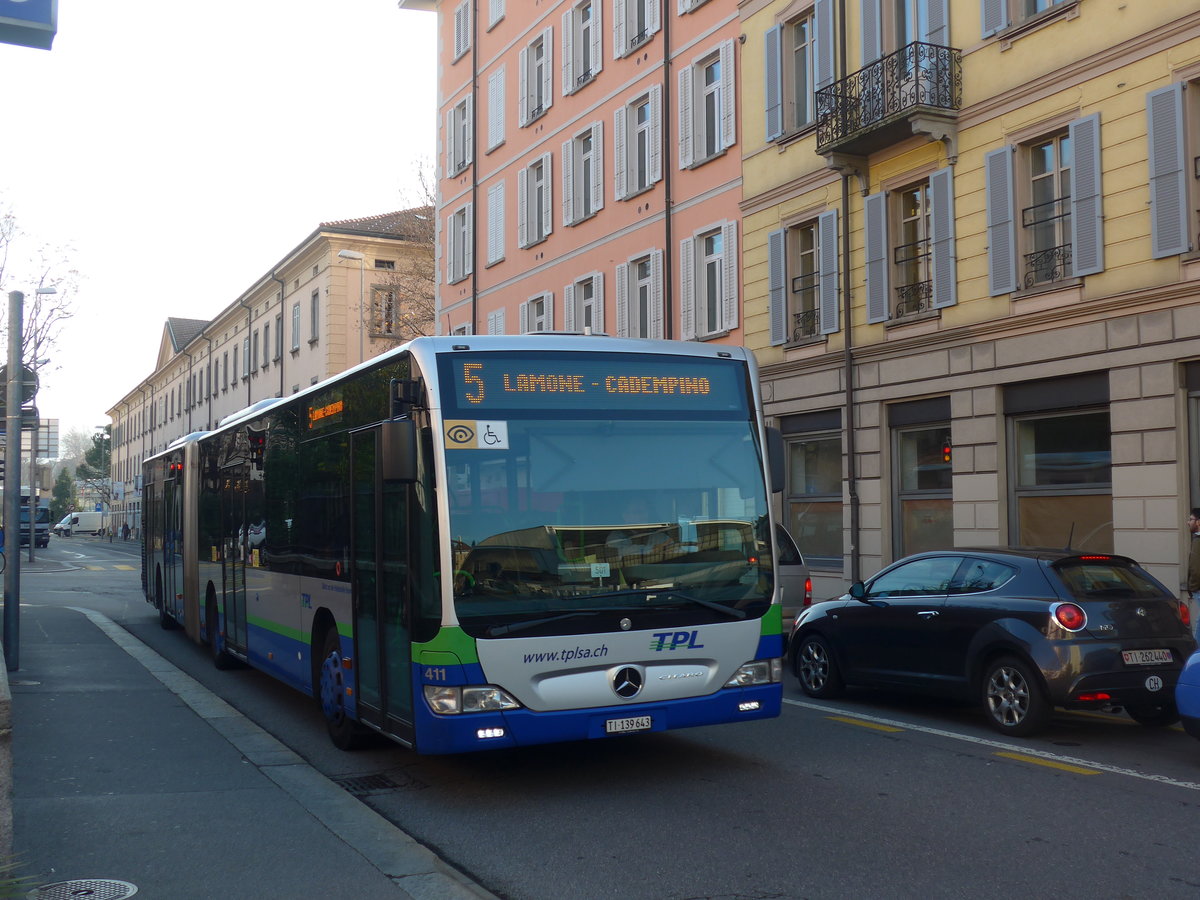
(29, 269)
(411, 288)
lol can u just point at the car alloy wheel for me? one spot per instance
(816, 668)
(1013, 699)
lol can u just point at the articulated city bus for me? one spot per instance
(478, 542)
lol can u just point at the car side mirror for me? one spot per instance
(858, 591)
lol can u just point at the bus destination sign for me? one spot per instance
(628, 381)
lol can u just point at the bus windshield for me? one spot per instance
(663, 517)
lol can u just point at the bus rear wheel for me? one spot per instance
(345, 733)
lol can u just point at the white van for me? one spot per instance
(80, 523)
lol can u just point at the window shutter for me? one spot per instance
(728, 121)
(1087, 198)
(1168, 173)
(523, 87)
(495, 222)
(653, 17)
(598, 305)
(569, 307)
(468, 152)
(451, 143)
(687, 125)
(656, 294)
(942, 249)
(730, 269)
(776, 285)
(773, 80)
(523, 317)
(938, 32)
(469, 235)
(549, 296)
(826, 42)
(548, 69)
(597, 185)
(687, 289)
(597, 38)
(655, 133)
(875, 226)
(496, 322)
(619, 160)
(871, 39)
(496, 108)
(547, 206)
(828, 273)
(495, 12)
(623, 300)
(451, 258)
(620, 38)
(994, 16)
(568, 52)
(523, 208)
(568, 186)
(1001, 233)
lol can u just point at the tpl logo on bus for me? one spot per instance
(675, 640)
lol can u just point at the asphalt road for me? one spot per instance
(871, 796)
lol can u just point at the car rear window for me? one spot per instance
(1100, 578)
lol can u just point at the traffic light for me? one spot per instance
(947, 450)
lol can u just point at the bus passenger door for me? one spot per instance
(173, 547)
(379, 548)
(235, 483)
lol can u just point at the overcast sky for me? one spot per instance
(174, 151)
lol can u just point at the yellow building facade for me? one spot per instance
(970, 272)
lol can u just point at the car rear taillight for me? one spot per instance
(1185, 613)
(807, 592)
(1069, 616)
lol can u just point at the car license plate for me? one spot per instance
(1146, 657)
(633, 723)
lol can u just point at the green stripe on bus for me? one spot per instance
(450, 640)
(267, 625)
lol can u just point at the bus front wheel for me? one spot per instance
(345, 733)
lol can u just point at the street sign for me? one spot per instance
(29, 385)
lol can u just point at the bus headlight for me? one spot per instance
(450, 701)
(759, 671)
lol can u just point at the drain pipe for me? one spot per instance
(668, 202)
(474, 167)
(848, 345)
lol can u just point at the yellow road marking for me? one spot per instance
(94, 568)
(1050, 763)
(125, 568)
(874, 725)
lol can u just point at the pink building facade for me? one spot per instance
(588, 170)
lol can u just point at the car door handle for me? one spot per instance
(927, 613)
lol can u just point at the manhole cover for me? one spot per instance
(366, 784)
(89, 888)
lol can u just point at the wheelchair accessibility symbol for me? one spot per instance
(463, 434)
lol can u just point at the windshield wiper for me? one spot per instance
(497, 630)
(730, 611)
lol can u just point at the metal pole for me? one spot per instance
(12, 498)
(33, 491)
(362, 323)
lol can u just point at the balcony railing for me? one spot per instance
(912, 299)
(1049, 265)
(916, 77)
(804, 324)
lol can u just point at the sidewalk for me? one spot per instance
(129, 774)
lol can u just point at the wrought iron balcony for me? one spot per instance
(913, 299)
(804, 324)
(885, 102)
(1047, 266)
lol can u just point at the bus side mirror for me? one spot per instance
(398, 451)
(776, 459)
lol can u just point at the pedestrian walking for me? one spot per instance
(1193, 569)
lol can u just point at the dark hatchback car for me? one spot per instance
(1019, 630)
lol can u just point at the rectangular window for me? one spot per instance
(583, 179)
(458, 232)
(534, 222)
(1045, 235)
(707, 126)
(245, 357)
(634, 23)
(582, 47)
(803, 280)
(1062, 477)
(314, 317)
(266, 346)
(637, 159)
(640, 296)
(495, 322)
(459, 135)
(227, 370)
(583, 304)
(460, 330)
(385, 312)
(295, 327)
(536, 64)
(279, 336)
(998, 15)
(911, 254)
(708, 282)
(814, 496)
(254, 352)
(387, 265)
(801, 81)
(537, 314)
(923, 503)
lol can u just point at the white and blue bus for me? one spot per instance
(479, 542)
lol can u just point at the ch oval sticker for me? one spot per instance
(1154, 683)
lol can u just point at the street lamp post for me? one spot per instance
(354, 254)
